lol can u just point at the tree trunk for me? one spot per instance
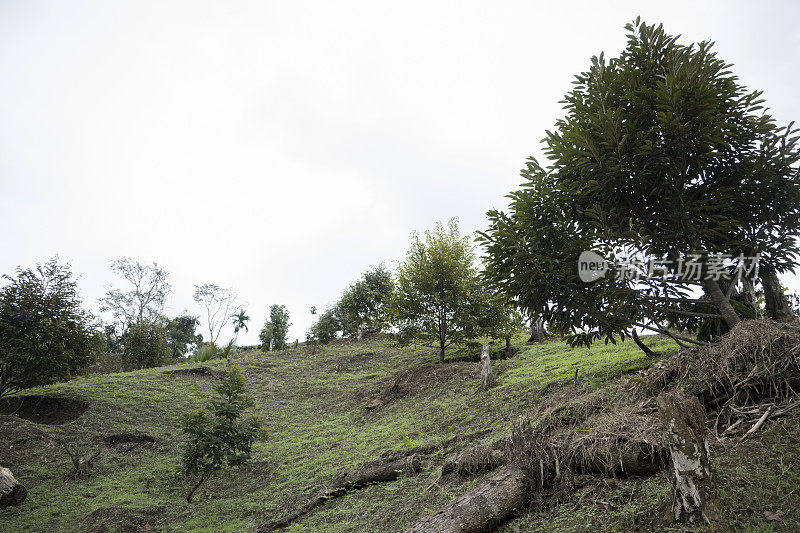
(694, 495)
(538, 332)
(441, 352)
(749, 293)
(715, 294)
(642, 346)
(11, 491)
(487, 377)
(481, 508)
(777, 306)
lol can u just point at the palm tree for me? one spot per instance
(240, 319)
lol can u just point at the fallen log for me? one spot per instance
(367, 474)
(486, 505)
(494, 499)
(12, 492)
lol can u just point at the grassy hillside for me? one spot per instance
(346, 404)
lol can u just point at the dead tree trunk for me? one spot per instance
(484, 506)
(487, 377)
(694, 494)
(11, 491)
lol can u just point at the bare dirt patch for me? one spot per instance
(124, 442)
(196, 371)
(50, 410)
(414, 382)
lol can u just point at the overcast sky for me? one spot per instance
(281, 148)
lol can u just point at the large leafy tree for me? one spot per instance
(661, 152)
(276, 328)
(146, 344)
(181, 334)
(439, 295)
(326, 327)
(45, 335)
(365, 303)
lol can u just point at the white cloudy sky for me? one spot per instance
(281, 148)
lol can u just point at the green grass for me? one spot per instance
(313, 406)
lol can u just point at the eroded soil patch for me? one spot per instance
(50, 410)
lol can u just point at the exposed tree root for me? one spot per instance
(538, 464)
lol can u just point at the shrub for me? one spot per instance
(208, 351)
(325, 328)
(146, 345)
(217, 436)
(45, 336)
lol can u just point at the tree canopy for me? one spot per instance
(45, 334)
(662, 153)
(439, 294)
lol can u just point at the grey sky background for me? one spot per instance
(281, 148)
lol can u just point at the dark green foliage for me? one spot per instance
(181, 334)
(662, 153)
(217, 437)
(326, 328)
(113, 338)
(365, 303)
(146, 345)
(275, 329)
(45, 335)
(439, 295)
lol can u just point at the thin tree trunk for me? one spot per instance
(777, 306)
(197, 486)
(715, 294)
(642, 346)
